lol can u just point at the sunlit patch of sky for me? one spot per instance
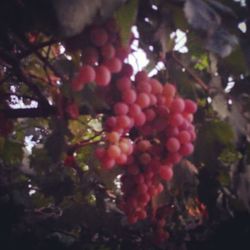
(180, 38)
(242, 2)
(243, 27)
(138, 58)
(230, 84)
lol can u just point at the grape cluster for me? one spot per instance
(149, 129)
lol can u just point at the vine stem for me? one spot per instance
(197, 79)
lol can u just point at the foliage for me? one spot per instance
(54, 193)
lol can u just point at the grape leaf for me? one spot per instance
(125, 18)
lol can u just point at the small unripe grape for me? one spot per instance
(103, 75)
(98, 36)
(173, 145)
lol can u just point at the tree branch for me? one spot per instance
(42, 112)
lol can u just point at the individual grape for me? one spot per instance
(122, 52)
(186, 149)
(98, 36)
(121, 108)
(86, 74)
(156, 86)
(184, 137)
(176, 120)
(143, 87)
(178, 105)
(143, 145)
(140, 119)
(108, 51)
(143, 100)
(111, 122)
(169, 90)
(123, 84)
(103, 75)
(166, 172)
(123, 121)
(134, 110)
(113, 64)
(113, 137)
(153, 99)
(173, 145)
(145, 158)
(100, 153)
(150, 115)
(141, 76)
(113, 151)
(90, 56)
(122, 159)
(190, 106)
(129, 96)
(107, 163)
(127, 70)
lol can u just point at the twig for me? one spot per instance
(198, 80)
(37, 47)
(44, 60)
(14, 62)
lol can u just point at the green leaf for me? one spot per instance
(235, 63)
(55, 143)
(125, 18)
(12, 152)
